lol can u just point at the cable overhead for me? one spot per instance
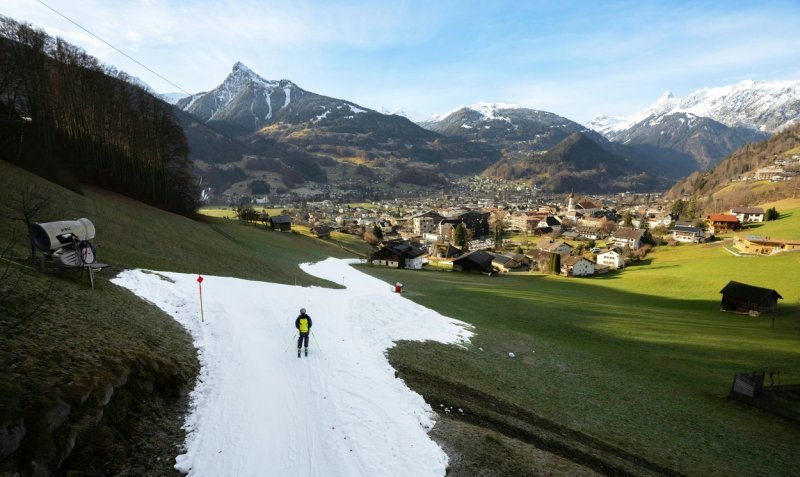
(112, 46)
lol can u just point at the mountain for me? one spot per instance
(508, 126)
(291, 135)
(709, 123)
(706, 140)
(730, 182)
(766, 106)
(576, 163)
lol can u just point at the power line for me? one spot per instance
(112, 46)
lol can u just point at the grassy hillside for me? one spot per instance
(640, 360)
(98, 378)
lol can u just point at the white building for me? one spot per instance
(611, 258)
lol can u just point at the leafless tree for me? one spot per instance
(29, 206)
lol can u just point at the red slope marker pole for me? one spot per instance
(200, 286)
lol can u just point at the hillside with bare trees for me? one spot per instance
(68, 118)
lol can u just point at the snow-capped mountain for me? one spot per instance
(766, 106)
(249, 102)
(709, 123)
(502, 123)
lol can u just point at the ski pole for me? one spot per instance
(290, 343)
(315, 340)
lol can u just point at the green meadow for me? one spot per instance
(640, 359)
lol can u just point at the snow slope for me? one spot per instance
(258, 410)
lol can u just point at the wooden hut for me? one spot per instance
(743, 298)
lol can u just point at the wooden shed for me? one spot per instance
(743, 298)
(477, 261)
(281, 223)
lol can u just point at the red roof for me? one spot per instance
(724, 218)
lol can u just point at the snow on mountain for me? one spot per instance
(244, 98)
(507, 125)
(766, 106)
(259, 410)
(172, 98)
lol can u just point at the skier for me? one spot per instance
(303, 325)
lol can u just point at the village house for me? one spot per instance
(526, 221)
(722, 223)
(743, 298)
(756, 245)
(554, 246)
(773, 173)
(476, 261)
(589, 233)
(576, 266)
(539, 259)
(399, 255)
(505, 263)
(687, 234)
(628, 237)
(748, 214)
(612, 258)
(587, 207)
(425, 223)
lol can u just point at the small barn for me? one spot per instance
(743, 298)
(321, 231)
(281, 223)
(477, 261)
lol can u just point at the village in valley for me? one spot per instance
(492, 227)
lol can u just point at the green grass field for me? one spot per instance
(642, 359)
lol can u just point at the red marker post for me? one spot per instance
(200, 286)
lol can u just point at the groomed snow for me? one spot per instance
(258, 410)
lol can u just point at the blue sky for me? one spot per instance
(573, 58)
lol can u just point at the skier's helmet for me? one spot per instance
(302, 311)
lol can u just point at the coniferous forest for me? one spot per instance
(67, 117)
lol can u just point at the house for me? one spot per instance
(589, 233)
(587, 207)
(426, 223)
(742, 298)
(475, 222)
(526, 221)
(445, 250)
(764, 245)
(576, 266)
(721, 223)
(281, 223)
(398, 255)
(687, 234)
(505, 263)
(748, 214)
(628, 237)
(476, 261)
(540, 260)
(321, 231)
(612, 258)
(558, 246)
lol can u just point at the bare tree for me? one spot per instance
(29, 206)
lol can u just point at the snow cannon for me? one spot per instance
(51, 236)
(66, 242)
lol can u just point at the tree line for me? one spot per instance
(67, 117)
